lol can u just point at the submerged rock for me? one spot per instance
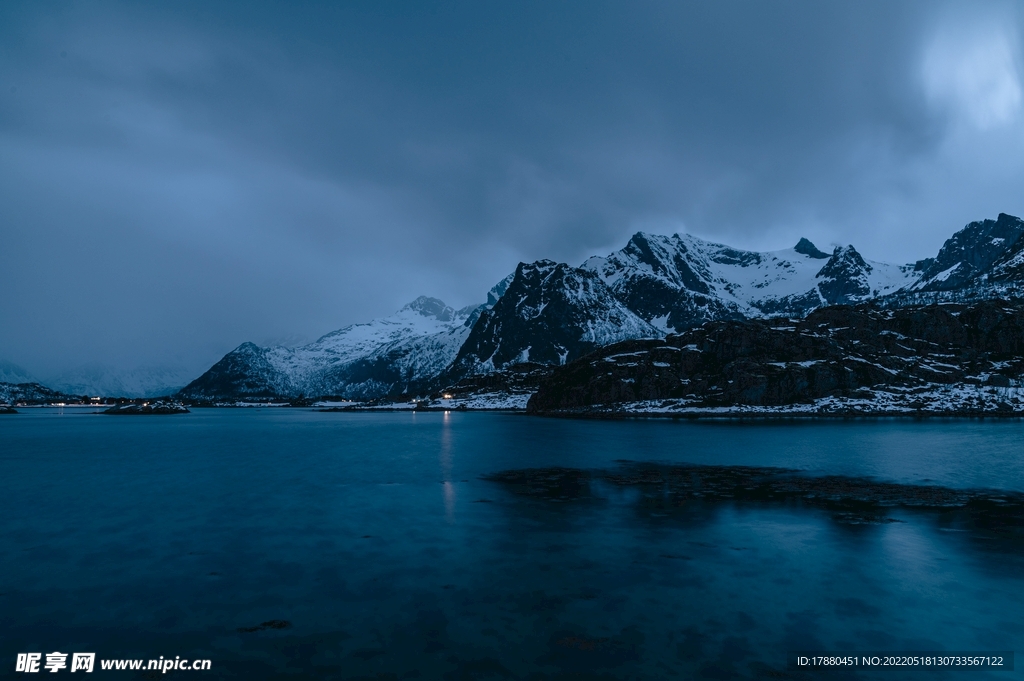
(851, 500)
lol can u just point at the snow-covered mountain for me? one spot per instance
(551, 313)
(357, 362)
(679, 282)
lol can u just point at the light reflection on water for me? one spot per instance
(147, 537)
(446, 468)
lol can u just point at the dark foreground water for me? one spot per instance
(381, 543)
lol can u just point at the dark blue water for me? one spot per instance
(376, 538)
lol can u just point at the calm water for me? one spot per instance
(376, 538)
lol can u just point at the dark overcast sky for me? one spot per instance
(176, 178)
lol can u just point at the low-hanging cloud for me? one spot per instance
(975, 72)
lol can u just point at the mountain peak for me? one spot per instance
(431, 307)
(968, 254)
(844, 277)
(848, 254)
(805, 247)
(543, 265)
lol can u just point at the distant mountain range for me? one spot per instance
(548, 313)
(12, 373)
(95, 380)
(101, 379)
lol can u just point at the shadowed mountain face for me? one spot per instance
(844, 278)
(551, 313)
(548, 314)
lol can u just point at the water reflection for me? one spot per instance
(445, 458)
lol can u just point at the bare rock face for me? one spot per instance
(837, 350)
(550, 313)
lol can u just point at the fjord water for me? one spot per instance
(377, 538)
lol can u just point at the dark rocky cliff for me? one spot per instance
(834, 351)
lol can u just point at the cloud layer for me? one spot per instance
(177, 179)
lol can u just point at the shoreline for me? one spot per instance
(721, 414)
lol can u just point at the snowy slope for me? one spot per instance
(357, 362)
(415, 343)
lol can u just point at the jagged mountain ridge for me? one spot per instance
(551, 313)
(679, 282)
(982, 261)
